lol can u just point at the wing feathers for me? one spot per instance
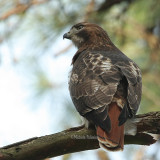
(133, 75)
(95, 80)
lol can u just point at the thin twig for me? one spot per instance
(20, 8)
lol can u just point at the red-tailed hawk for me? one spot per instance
(105, 85)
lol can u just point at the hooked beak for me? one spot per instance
(67, 35)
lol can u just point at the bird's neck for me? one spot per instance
(97, 42)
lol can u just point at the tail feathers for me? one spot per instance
(114, 140)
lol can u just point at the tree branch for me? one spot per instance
(108, 4)
(20, 8)
(78, 139)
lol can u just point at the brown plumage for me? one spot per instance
(105, 85)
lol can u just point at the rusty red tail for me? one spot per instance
(114, 140)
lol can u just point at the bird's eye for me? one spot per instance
(79, 27)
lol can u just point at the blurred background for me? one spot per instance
(35, 62)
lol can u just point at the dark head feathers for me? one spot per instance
(88, 35)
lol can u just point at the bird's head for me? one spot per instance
(87, 34)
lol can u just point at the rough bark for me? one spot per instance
(77, 139)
